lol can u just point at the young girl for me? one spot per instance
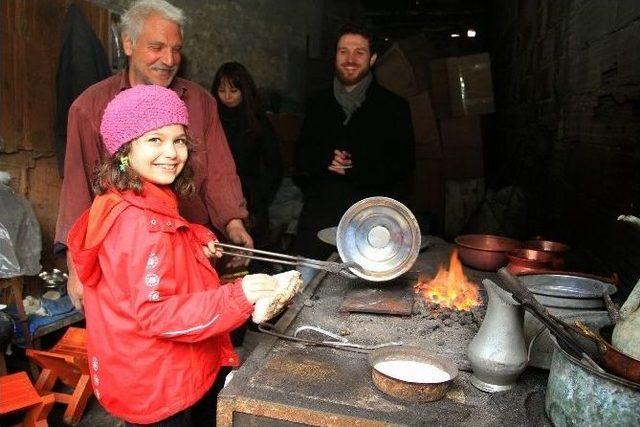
(252, 142)
(157, 318)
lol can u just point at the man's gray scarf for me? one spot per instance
(351, 101)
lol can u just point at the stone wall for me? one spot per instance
(272, 38)
(567, 127)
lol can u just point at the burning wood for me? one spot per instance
(450, 288)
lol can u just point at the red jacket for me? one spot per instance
(157, 317)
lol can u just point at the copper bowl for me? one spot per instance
(403, 388)
(525, 260)
(485, 251)
(557, 249)
(546, 246)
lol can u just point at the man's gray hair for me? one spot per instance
(133, 19)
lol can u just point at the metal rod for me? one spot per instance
(332, 267)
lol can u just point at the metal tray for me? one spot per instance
(567, 286)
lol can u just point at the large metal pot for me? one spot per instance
(579, 395)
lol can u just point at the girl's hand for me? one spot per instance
(256, 286)
(211, 250)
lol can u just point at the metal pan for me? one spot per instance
(398, 385)
(568, 290)
(381, 235)
(612, 359)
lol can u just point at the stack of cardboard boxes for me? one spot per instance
(447, 96)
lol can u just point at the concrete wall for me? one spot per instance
(567, 87)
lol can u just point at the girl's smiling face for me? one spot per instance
(159, 156)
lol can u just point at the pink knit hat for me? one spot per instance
(138, 110)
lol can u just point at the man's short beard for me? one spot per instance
(351, 82)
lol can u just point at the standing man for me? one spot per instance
(152, 41)
(356, 142)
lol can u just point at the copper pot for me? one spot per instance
(529, 260)
(485, 251)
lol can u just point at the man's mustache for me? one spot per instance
(156, 68)
(349, 64)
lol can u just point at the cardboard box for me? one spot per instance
(425, 127)
(461, 132)
(428, 189)
(394, 72)
(462, 86)
(404, 67)
(463, 162)
(462, 148)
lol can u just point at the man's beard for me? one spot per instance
(351, 81)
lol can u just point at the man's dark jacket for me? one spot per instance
(379, 137)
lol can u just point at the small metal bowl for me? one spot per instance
(381, 235)
(410, 390)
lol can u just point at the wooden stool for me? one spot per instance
(66, 361)
(18, 394)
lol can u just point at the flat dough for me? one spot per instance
(265, 309)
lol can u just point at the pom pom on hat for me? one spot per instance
(138, 110)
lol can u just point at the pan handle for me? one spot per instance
(586, 332)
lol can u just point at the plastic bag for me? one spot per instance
(20, 238)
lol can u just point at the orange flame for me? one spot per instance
(451, 288)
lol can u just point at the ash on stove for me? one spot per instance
(439, 316)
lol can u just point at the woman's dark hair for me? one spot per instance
(109, 176)
(238, 76)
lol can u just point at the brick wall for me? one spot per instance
(567, 88)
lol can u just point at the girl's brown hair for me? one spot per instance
(108, 175)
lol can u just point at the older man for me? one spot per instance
(356, 142)
(152, 41)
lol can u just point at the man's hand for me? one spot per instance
(238, 236)
(74, 287)
(341, 162)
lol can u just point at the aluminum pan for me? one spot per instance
(381, 235)
(567, 286)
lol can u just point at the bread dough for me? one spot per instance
(289, 283)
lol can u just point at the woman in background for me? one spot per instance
(252, 142)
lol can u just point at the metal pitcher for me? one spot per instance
(498, 353)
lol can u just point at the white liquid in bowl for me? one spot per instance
(412, 371)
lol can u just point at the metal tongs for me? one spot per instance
(341, 268)
(336, 341)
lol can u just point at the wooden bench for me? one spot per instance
(19, 394)
(67, 362)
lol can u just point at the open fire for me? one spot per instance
(450, 288)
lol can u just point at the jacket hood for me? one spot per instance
(88, 232)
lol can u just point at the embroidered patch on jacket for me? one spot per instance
(154, 295)
(96, 380)
(151, 280)
(152, 261)
(94, 363)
